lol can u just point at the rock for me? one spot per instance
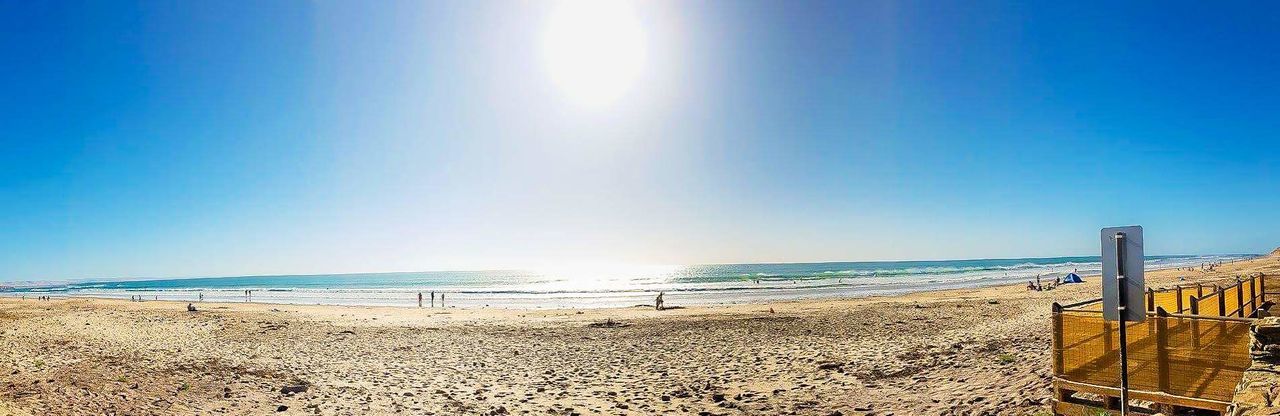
(830, 366)
(297, 388)
(282, 408)
(718, 397)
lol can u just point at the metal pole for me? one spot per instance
(1124, 344)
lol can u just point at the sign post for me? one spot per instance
(1123, 290)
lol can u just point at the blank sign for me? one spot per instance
(1135, 296)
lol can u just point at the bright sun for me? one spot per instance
(594, 49)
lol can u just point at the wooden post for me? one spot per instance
(1195, 324)
(1179, 298)
(1199, 290)
(1107, 344)
(1253, 296)
(1151, 300)
(1262, 284)
(1222, 301)
(1240, 295)
(1162, 349)
(1058, 365)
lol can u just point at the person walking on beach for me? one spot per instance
(433, 298)
(419, 299)
(657, 303)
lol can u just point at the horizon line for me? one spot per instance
(480, 270)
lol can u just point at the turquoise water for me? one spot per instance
(607, 286)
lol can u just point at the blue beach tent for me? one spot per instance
(1072, 278)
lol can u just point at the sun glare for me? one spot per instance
(594, 49)
(602, 276)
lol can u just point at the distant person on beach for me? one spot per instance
(433, 299)
(191, 308)
(657, 303)
(419, 299)
(202, 296)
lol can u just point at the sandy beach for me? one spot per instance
(974, 351)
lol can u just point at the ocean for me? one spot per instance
(603, 286)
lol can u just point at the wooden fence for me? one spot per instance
(1191, 358)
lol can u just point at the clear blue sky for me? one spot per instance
(233, 137)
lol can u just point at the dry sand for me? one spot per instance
(977, 351)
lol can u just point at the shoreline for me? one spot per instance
(960, 351)
(777, 291)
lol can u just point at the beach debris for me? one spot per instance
(717, 397)
(830, 365)
(295, 388)
(993, 302)
(608, 323)
(282, 408)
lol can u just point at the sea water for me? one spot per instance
(605, 286)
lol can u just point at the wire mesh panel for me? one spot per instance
(1205, 358)
(1210, 306)
(1231, 300)
(1167, 299)
(1240, 299)
(1188, 296)
(1184, 356)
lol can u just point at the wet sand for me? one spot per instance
(973, 351)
